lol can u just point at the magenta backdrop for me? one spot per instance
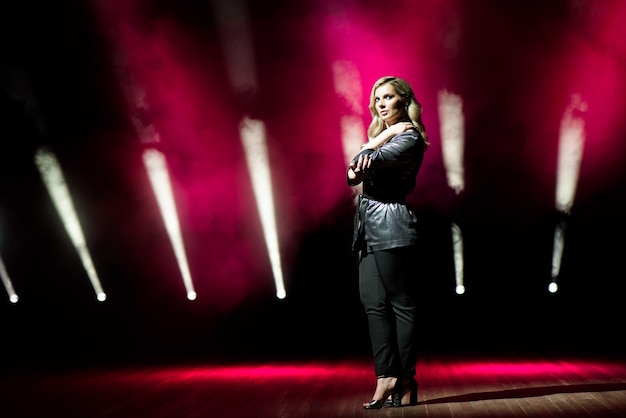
(515, 64)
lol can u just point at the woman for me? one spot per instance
(385, 236)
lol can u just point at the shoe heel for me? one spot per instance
(411, 389)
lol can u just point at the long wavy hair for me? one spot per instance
(412, 106)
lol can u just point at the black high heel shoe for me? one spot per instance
(402, 388)
(379, 403)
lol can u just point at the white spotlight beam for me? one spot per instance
(254, 141)
(6, 281)
(452, 131)
(557, 252)
(347, 83)
(236, 37)
(54, 180)
(571, 142)
(156, 166)
(457, 246)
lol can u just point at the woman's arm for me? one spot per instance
(357, 169)
(387, 134)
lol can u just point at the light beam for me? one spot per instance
(347, 82)
(6, 281)
(452, 131)
(457, 246)
(254, 141)
(156, 166)
(571, 145)
(56, 185)
(571, 142)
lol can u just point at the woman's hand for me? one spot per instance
(387, 134)
(358, 170)
(398, 128)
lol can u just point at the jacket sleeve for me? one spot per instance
(354, 160)
(400, 148)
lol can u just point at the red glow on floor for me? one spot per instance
(427, 373)
(530, 369)
(251, 372)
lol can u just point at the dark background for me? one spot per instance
(514, 63)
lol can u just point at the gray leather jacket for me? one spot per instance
(383, 220)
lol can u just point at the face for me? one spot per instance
(389, 105)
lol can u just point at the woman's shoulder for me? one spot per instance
(411, 138)
(410, 135)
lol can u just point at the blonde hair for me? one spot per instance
(412, 106)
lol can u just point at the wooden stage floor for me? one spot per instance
(450, 386)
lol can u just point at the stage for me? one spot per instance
(449, 386)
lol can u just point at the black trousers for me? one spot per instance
(387, 290)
